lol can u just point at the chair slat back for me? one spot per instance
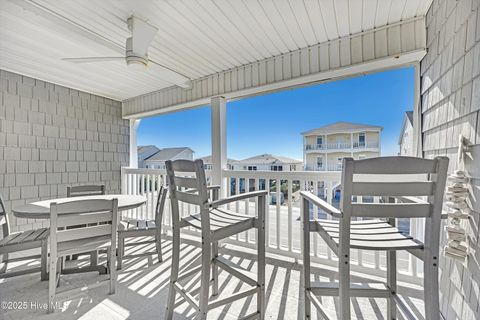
(82, 214)
(187, 183)
(394, 177)
(85, 190)
(395, 165)
(4, 219)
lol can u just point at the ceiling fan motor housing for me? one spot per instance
(132, 58)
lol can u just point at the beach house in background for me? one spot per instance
(405, 140)
(145, 152)
(207, 161)
(156, 160)
(268, 162)
(325, 147)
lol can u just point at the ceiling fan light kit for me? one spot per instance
(136, 54)
(132, 59)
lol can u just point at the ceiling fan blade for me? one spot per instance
(142, 35)
(92, 59)
(170, 75)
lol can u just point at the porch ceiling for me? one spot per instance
(195, 38)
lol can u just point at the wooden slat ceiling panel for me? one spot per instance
(195, 38)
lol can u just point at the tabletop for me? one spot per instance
(41, 209)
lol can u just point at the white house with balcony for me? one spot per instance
(268, 162)
(325, 147)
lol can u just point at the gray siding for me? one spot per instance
(52, 136)
(450, 106)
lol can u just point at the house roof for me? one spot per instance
(141, 149)
(208, 160)
(268, 159)
(339, 127)
(167, 154)
(409, 115)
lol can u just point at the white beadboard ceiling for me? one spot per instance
(196, 37)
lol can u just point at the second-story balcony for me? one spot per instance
(342, 146)
(329, 167)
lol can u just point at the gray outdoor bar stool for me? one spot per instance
(419, 178)
(214, 223)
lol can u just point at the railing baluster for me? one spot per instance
(247, 207)
(267, 212)
(315, 216)
(237, 204)
(277, 205)
(290, 227)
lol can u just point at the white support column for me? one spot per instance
(417, 114)
(219, 142)
(351, 144)
(134, 123)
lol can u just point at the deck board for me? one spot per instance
(143, 284)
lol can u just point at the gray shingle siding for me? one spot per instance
(450, 107)
(52, 136)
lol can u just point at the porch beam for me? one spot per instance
(134, 123)
(219, 142)
(366, 52)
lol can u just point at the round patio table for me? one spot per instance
(41, 209)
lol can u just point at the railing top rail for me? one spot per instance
(290, 175)
(143, 170)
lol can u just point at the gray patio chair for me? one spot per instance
(81, 191)
(21, 241)
(373, 177)
(66, 241)
(134, 228)
(213, 223)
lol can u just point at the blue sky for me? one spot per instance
(272, 123)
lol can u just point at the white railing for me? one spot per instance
(342, 146)
(365, 145)
(330, 167)
(283, 231)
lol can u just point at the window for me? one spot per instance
(319, 140)
(276, 168)
(252, 168)
(319, 162)
(293, 167)
(361, 139)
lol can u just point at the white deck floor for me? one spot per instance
(143, 286)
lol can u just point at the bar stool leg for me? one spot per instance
(261, 258)
(214, 268)
(392, 284)
(120, 250)
(205, 280)
(174, 272)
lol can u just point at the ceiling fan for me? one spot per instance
(136, 54)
